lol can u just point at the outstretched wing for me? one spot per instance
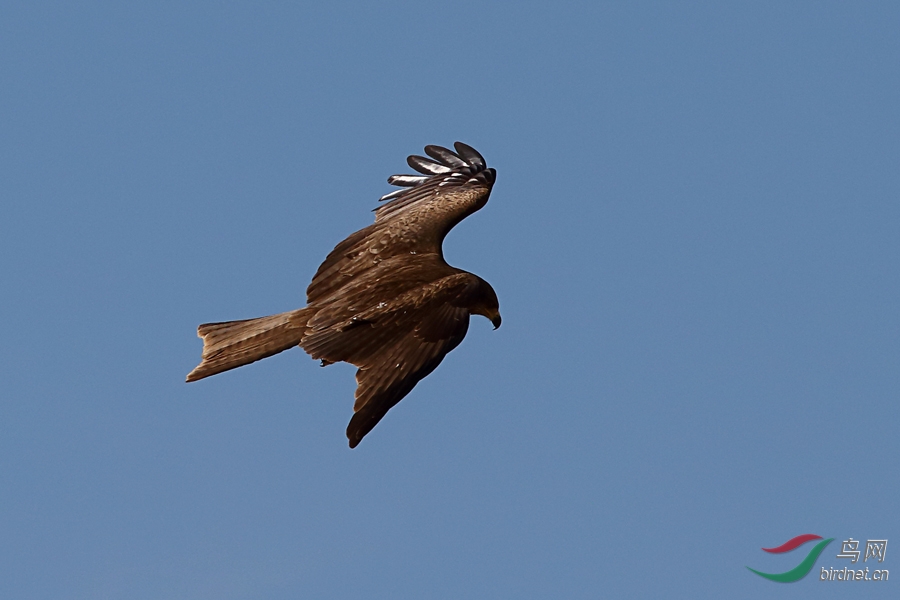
(415, 218)
(395, 343)
(388, 376)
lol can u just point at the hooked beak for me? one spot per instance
(496, 321)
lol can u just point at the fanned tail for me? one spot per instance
(237, 343)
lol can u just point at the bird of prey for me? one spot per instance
(384, 300)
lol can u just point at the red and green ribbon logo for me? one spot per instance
(801, 570)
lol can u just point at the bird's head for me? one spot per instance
(487, 304)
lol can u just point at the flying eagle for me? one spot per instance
(384, 300)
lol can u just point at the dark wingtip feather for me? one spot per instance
(445, 157)
(470, 154)
(427, 166)
(391, 195)
(406, 180)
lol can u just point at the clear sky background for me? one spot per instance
(693, 235)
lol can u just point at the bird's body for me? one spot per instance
(384, 299)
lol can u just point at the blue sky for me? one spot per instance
(693, 237)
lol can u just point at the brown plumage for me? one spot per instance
(384, 300)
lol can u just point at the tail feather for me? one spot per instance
(236, 343)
